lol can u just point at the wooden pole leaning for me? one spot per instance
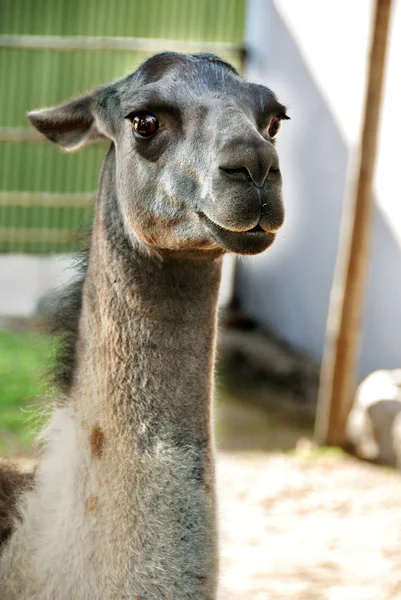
(337, 380)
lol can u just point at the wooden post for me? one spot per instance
(337, 379)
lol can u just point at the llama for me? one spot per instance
(123, 501)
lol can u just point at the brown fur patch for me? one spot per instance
(191, 171)
(12, 484)
(173, 201)
(92, 503)
(208, 488)
(96, 441)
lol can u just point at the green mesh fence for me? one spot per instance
(46, 195)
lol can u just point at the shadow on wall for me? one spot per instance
(288, 289)
(381, 339)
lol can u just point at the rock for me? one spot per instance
(253, 357)
(374, 423)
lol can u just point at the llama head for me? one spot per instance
(195, 165)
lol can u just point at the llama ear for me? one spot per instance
(71, 125)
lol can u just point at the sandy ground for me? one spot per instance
(308, 526)
(301, 524)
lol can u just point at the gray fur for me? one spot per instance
(124, 504)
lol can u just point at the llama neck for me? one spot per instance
(147, 331)
(143, 387)
(147, 336)
(125, 498)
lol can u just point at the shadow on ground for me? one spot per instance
(242, 425)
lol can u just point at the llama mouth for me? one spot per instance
(253, 241)
(255, 229)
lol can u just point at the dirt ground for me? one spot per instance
(298, 523)
(308, 526)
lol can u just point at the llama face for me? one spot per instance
(196, 166)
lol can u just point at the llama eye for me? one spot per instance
(274, 126)
(144, 125)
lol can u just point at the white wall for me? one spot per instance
(313, 55)
(24, 280)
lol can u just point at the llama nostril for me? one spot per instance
(240, 174)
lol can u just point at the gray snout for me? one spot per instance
(246, 186)
(250, 160)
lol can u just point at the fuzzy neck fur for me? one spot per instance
(124, 503)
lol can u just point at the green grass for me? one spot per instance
(25, 358)
(24, 361)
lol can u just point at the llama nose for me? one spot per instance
(250, 164)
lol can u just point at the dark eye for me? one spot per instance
(144, 125)
(274, 126)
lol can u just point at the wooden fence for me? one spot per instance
(47, 56)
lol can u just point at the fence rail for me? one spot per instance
(19, 134)
(145, 45)
(46, 199)
(37, 235)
